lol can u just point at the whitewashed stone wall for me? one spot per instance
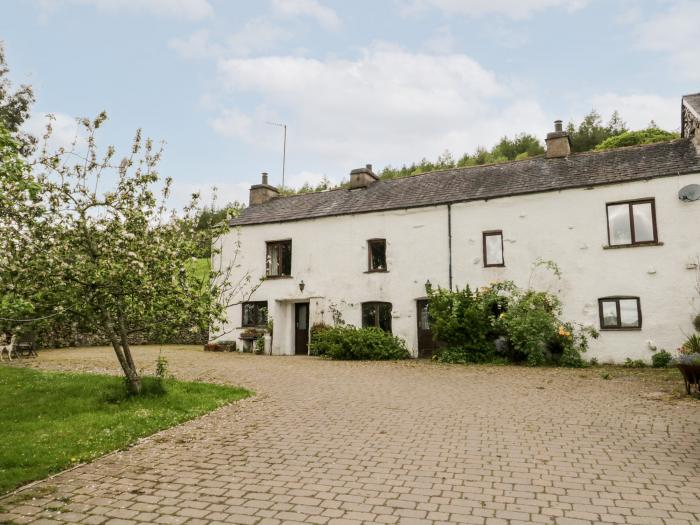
(567, 227)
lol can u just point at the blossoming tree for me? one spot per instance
(88, 238)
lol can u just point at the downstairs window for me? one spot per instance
(377, 314)
(620, 313)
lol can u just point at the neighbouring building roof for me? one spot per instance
(534, 175)
(693, 101)
(690, 115)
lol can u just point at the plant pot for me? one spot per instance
(691, 376)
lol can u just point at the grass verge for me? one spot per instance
(53, 420)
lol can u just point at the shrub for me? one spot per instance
(696, 322)
(317, 328)
(260, 345)
(691, 345)
(661, 359)
(532, 325)
(634, 363)
(462, 321)
(524, 323)
(349, 342)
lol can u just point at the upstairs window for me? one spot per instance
(254, 313)
(632, 222)
(493, 248)
(377, 314)
(377, 255)
(620, 313)
(279, 258)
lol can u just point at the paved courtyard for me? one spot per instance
(415, 442)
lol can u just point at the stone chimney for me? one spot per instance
(362, 177)
(261, 193)
(558, 143)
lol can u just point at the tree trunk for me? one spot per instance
(123, 352)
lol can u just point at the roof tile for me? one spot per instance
(534, 175)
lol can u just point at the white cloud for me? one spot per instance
(255, 36)
(65, 131)
(442, 42)
(638, 110)
(225, 192)
(187, 9)
(232, 123)
(389, 105)
(675, 33)
(516, 9)
(196, 46)
(325, 16)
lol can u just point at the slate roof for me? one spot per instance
(693, 101)
(534, 175)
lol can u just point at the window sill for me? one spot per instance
(635, 329)
(377, 271)
(495, 265)
(268, 277)
(637, 245)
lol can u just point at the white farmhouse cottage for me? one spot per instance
(620, 224)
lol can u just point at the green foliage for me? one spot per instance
(519, 147)
(661, 359)
(691, 344)
(200, 268)
(525, 321)
(462, 320)
(634, 138)
(210, 217)
(161, 367)
(94, 242)
(696, 322)
(14, 106)
(72, 418)
(530, 322)
(349, 342)
(591, 131)
(324, 185)
(634, 363)
(260, 345)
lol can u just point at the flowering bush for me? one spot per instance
(526, 321)
(689, 352)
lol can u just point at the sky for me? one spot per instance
(382, 82)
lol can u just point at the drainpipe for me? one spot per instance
(449, 242)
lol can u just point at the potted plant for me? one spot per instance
(688, 362)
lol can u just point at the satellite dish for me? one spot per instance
(689, 193)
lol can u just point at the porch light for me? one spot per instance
(302, 286)
(428, 286)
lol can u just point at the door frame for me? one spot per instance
(426, 352)
(308, 326)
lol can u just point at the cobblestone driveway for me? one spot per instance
(415, 442)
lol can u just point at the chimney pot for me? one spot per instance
(261, 193)
(558, 142)
(362, 177)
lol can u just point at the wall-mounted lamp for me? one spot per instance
(428, 286)
(302, 286)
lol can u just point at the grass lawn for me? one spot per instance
(52, 420)
(200, 268)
